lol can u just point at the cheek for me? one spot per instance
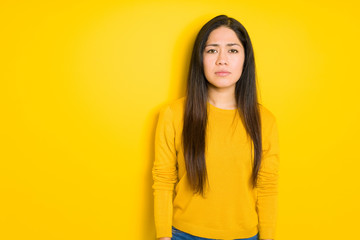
(207, 63)
(239, 62)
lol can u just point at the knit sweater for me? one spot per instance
(231, 208)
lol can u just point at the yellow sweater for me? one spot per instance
(231, 209)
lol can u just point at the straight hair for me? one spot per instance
(196, 113)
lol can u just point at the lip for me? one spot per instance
(222, 73)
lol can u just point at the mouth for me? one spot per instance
(222, 73)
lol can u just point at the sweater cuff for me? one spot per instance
(163, 210)
(267, 233)
(163, 231)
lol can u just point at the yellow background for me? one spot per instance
(82, 83)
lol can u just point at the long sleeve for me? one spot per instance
(267, 184)
(164, 173)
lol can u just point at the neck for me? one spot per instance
(222, 97)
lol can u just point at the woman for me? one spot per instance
(216, 149)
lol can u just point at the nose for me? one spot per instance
(222, 59)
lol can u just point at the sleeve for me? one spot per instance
(267, 184)
(164, 173)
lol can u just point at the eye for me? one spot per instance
(211, 51)
(234, 51)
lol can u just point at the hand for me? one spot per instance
(165, 238)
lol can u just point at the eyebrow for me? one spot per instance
(216, 45)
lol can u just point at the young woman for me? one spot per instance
(216, 149)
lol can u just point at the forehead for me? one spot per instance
(223, 35)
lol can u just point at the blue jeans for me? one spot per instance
(180, 235)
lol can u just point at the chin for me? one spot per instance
(224, 86)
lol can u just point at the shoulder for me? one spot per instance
(266, 114)
(173, 110)
(268, 119)
(175, 107)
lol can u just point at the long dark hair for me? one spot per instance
(195, 113)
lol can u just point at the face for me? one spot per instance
(223, 58)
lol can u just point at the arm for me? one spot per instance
(267, 184)
(164, 173)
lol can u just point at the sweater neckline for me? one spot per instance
(221, 110)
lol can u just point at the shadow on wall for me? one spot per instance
(180, 62)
